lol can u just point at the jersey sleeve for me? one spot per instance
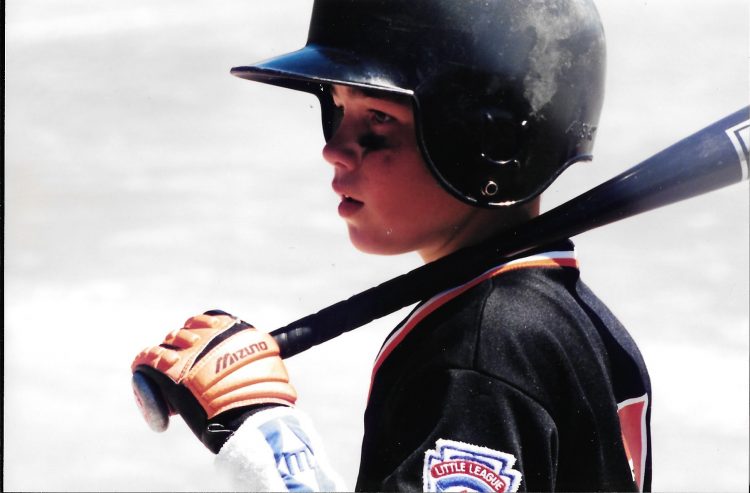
(459, 428)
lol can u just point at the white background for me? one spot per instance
(145, 184)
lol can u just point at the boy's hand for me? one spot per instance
(214, 372)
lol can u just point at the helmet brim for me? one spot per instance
(312, 66)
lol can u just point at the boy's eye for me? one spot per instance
(380, 117)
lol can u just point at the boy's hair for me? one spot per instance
(506, 93)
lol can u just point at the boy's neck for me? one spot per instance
(482, 225)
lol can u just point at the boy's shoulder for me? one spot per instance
(519, 308)
(526, 327)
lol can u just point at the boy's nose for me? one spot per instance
(342, 149)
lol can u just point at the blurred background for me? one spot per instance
(144, 184)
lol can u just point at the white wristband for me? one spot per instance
(277, 450)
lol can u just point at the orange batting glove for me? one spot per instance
(214, 372)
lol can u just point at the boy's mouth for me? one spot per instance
(349, 206)
(346, 198)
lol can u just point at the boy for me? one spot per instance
(444, 121)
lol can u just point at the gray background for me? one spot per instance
(145, 184)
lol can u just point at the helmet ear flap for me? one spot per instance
(475, 138)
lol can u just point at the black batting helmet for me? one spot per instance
(506, 93)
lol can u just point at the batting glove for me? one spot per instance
(214, 372)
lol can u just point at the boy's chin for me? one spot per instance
(383, 244)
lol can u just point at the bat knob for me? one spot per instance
(151, 402)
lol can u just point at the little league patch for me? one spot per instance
(457, 466)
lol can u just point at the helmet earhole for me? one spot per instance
(500, 137)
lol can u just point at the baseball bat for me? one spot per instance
(712, 158)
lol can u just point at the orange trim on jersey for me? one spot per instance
(549, 260)
(632, 415)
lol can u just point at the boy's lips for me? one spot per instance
(349, 206)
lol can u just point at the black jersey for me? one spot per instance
(518, 380)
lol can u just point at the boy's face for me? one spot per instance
(389, 199)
